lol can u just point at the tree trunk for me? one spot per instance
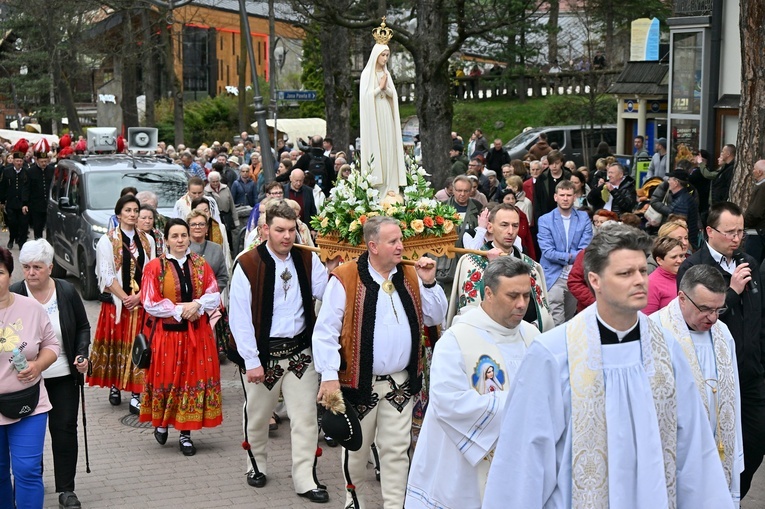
(65, 96)
(552, 31)
(751, 124)
(129, 82)
(610, 49)
(338, 84)
(147, 68)
(176, 88)
(432, 90)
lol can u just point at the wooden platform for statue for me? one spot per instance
(332, 246)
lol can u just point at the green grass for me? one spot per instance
(506, 118)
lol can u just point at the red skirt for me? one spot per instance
(112, 347)
(183, 381)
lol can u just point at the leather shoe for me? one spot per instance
(160, 437)
(115, 396)
(135, 408)
(187, 446)
(318, 496)
(256, 480)
(68, 500)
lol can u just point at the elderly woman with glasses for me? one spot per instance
(64, 377)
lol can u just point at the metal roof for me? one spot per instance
(283, 11)
(641, 78)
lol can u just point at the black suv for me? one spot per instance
(83, 193)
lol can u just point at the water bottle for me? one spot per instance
(19, 361)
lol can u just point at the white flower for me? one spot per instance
(360, 209)
(351, 201)
(372, 193)
(421, 171)
(410, 189)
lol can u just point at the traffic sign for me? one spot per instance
(297, 95)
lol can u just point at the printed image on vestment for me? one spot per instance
(487, 376)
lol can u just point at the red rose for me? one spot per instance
(475, 277)
(468, 286)
(439, 220)
(428, 221)
(473, 294)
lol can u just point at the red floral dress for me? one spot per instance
(183, 382)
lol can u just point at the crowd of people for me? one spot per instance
(545, 381)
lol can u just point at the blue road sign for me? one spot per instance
(296, 95)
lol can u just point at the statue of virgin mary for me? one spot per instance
(382, 146)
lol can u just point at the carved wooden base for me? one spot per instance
(415, 247)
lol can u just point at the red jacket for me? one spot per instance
(524, 232)
(577, 284)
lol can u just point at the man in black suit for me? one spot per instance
(40, 176)
(744, 312)
(295, 190)
(14, 195)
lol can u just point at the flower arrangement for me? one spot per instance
(351, 202)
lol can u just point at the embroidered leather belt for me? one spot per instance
(281, 348)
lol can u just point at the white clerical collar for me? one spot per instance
(180, 260)
(619, 334)
(727, 265)
(273, 255)
(759, 182)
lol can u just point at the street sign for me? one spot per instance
(296, 95)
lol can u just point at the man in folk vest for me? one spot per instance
(367, 342)
(272, 318)
(605, 411)
(474, 364)
(692, 318)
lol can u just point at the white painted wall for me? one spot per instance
(730, 66)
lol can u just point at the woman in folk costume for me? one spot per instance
(121, 256)
(382, 148)
(183, 380)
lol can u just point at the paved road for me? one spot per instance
(129, 469)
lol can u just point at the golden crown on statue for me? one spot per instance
(382, 34)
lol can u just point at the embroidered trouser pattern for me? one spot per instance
(300, 399)
(388, 423)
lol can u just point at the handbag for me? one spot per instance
(652, 216)
(142, 348)
(20, 404)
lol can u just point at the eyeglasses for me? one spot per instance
(276, 193)
(705, 310)
(197, 225)
(741, 234)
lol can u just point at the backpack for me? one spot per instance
(318, 169)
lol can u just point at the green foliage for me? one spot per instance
(312, 77)
(212, 118)
(513, 116)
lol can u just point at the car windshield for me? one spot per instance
(523, 139)
(105, 186)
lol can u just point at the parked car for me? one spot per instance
(82, 197)
(571, 140)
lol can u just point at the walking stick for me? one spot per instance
(84, 418)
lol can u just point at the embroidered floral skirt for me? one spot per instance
(112, 348)
(183, 381)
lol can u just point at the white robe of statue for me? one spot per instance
(381, 140)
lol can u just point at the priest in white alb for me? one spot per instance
(692, 318)
(473, 367)
(604, 411)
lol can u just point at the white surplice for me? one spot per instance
(532, 462)
(461, 426)
(705, 354)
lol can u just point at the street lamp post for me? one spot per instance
(266, 158)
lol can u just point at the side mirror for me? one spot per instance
(65, 206)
